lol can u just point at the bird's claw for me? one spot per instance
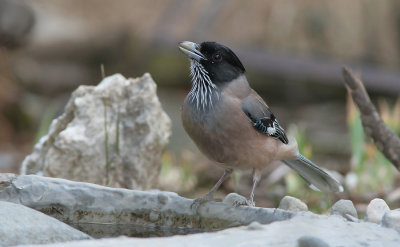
(247, 202)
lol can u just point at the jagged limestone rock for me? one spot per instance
(110, 134)
(22, 225)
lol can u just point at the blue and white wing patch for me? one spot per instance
(271, 127)
(262, 118)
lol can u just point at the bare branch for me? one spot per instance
(385, 140)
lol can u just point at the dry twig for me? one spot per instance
(385, 140)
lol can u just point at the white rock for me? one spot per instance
(292, 204)
(344, 208)
(112, 134)
(375, 210)
(22, 225)
(391, 219)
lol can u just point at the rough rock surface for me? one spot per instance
(344, 208)
(79, 203)
(375, 210)
(22, 225)
(111, 134)
(292, 204)
(332, 231)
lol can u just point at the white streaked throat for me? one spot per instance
(204, 92)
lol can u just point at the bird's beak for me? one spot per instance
(191, 50)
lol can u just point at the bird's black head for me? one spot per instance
(221, 64)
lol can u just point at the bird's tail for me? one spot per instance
(314, 176)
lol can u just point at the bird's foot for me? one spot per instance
(200, 201)
(246, 202)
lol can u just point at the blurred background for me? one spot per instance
(293, 52)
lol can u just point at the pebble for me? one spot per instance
(292, 204)
(375, 210)
(233, 198)
(344, 208)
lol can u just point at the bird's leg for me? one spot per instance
(250, 202)
(210, 195)
(256, 179)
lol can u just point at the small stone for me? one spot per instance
(292, 204)
(391, 219)
(234, 198)
(254, 226)
(344, 208)
(375, 210)
(310, 241)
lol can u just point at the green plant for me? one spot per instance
(111, 151)
(47, 117)
(374, 173)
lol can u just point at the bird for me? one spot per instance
(233, 126)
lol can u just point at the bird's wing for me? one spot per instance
(262, 117)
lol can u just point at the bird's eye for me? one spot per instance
(217, 57)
